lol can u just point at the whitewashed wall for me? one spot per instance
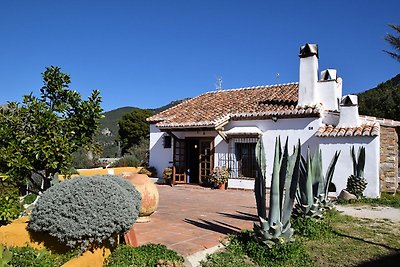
(160, 157)
(344, 166)
(303, 128)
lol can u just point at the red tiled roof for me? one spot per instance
(381, 121)
(213, 108)
(367, 129)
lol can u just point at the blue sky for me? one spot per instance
(148, 53)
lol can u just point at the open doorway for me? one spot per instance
(192, 161)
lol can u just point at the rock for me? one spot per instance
(346, 195)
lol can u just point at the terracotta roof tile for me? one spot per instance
(367, 129)
(382, 121)
(213, 108)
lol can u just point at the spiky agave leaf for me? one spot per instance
(274, 214)
(292, 180)
(317, 177)
(361, 162)
(259, 187)
(330, 171)
(283, 173)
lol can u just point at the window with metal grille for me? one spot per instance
(241, 158)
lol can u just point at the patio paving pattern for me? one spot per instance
(191, 218)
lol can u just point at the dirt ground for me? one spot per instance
(371, 212)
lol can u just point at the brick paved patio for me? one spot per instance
(192, 218)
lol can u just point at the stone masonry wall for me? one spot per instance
(388, 171)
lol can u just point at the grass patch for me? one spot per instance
(227, 259)
(144, 256)
(311, 228)
(356, 241)
(243, 250)
(386, 199)
(336, 240)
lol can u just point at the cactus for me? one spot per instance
(312, 195)
(5, 257)
(285, 176)
(356, 182)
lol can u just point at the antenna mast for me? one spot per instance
(218, 84)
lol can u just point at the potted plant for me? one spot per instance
(219, 177)
(167, 175)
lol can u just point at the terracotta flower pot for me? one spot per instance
(221, 186)
(149, 193)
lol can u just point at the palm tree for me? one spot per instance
(394, 41)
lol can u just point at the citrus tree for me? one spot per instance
(39, 135)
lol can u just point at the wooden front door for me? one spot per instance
(179, 166)
(206, 159)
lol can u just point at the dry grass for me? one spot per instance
(358, 242)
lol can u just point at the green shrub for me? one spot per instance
(386, 199)
(145, 171)
(287, 254)
(10, 206)
(126, 161)
(143, 256)
(153, 171)
(86, 210)
(27, 256)
(311, 228)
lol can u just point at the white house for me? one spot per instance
(221, 128)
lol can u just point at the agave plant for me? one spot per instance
(285, 175)
(312, 194)
(356, 182)
(5, 256)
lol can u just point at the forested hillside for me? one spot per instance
(110, 121)
(382, 101)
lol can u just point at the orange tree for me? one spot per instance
(39, 135)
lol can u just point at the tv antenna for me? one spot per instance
(218, 84)
(277, 78)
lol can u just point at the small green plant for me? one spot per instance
(145, 171)
(226, 259)
(27, 256)
(152, 170)
(5, 256)
(356, 182)
(10, 206)
(311, 228)
(167, 173)
(145, 256)
(276, 229)
(219, 175)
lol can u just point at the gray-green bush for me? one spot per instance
(86, 210)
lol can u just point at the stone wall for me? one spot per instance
(388, 171)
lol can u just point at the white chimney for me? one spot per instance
(349, 112)
(308, 94)
(330, 89)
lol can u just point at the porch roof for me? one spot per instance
(243, 131)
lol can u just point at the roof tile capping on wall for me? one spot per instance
(388, 171)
